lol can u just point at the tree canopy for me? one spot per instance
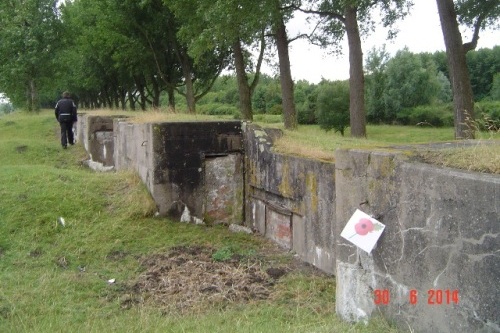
(29, 36)
(144, 54)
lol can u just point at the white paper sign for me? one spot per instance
(363, 231)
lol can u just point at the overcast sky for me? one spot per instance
(420, 32)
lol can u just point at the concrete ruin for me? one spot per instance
(442, 225)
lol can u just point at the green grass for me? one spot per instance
(53, 278)
(313, 142)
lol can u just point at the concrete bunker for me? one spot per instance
(199, 167)
(438, 237)
(97, 135)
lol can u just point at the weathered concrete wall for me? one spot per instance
(81, 134)
(442, 225)
(442, 234)
(194, 171)
(133, 150)
(184, 154)
(290, 200)
(96, 133)
(224, 189)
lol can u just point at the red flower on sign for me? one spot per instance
(364, 226)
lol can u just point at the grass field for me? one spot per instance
(56, 278)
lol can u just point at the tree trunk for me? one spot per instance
(287, 98)
(131, 98)
(116, 98)
(187, 73)
(356, 76)
(463, 98)
(142, 100)
(33, 105)
(171, 98)
(108, 99)
(156, 93)
(242, 79)
(123, 98)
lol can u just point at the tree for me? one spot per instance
(333, 106)
(226, 25)
(483, 64)
(475, 14)
(352, 18)
(149, 47)
(411, 81)
(306, 96)
(95, 61)
(29, 37)
(444, 95)
(288, 103)
(240, 24)
(495, 88)
(376, 63)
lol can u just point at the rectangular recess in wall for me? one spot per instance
(223, 186)
(279, 227)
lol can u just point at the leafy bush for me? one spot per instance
(488, 115)
(306, 111)
(412, 80)
(495, 88)
(333, 106)
(306, 114)
(306, 96)
(432, 115)
(276, 109)
(217, 109)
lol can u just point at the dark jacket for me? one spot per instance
(66, 110)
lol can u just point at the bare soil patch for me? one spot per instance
(190, 279)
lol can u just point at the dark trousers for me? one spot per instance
(67, 133)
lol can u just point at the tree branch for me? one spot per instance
(210, 85)
(484, 13)
(475, 36)
(320, 13)
(308, 36)
(259, 62)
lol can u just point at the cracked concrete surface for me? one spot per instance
(442, 228)
(442, 225)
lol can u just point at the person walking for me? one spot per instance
(66, 116)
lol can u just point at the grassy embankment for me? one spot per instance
(54, 278)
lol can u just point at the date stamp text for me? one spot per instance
(433, 296)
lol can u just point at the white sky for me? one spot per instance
(421, 32)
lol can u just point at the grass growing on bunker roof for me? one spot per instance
(311, 141)
(105, 269)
